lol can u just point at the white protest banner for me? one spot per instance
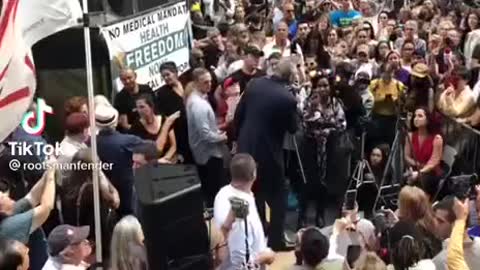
(40, 18)
(146, 41)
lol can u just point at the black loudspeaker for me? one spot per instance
(171, 213)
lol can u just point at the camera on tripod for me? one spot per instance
(239, 207)
(463, 186)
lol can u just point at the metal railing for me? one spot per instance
(466, 140)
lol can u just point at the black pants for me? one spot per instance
(314, 190)
(213, 177)
(381, 130)
(271, 188)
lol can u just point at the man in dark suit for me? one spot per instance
(265, 113)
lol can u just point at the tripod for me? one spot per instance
(400, 133)
(358, 173)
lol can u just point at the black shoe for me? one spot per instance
(282, 247)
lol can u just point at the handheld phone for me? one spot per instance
(350, 199)
(353, 253)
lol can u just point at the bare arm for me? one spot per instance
(173, 146)
(35, 194)
(265, 257)
(109, 192)
(42, 211)
(162, 137)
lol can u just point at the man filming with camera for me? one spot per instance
(233, 209)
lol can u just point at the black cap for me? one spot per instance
(65, 235)
(253, 50)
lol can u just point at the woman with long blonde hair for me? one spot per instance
(127, 249)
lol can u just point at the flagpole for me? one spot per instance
(93, 135)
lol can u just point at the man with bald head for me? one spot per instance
(267, 110)
(125, 100)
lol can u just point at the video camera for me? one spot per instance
(239, 207)
(463, 186)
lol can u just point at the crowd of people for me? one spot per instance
(281, 98)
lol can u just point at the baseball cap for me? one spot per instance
(253, 50)
(65, 235)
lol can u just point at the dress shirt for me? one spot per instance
(203, 133)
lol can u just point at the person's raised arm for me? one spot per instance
(47, 200)
(455, 254)
(163, 135)
(463, 104)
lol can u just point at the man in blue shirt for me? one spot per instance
(116, 148)
(345, 16)
(288, 16)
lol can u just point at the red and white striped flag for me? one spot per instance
(17, 71)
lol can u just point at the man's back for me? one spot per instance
(116, 149)
(236, 239)
(265, 113)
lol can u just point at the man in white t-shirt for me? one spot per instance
(243, 170)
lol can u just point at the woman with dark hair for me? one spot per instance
(169, 99)
(378, 160)
(368, 27)
(423, 152)
(382, 23)
(407, 52)
(149, 126)
(407, 249)
(323, 117)
(315, 45)
(333, 36)
(13, 255)
(381, 52)
(471, 22)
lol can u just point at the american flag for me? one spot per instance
(17, 71)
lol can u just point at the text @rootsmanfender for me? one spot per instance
(16, 165)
